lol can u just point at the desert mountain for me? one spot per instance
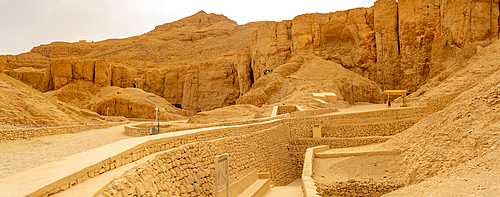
(206, 61)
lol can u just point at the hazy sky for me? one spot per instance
(28, 23)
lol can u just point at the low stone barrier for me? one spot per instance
(16, 134)
(298, 146)
(80, 167)
(302, 127)
(143, 130)
(357, 188)
(308, 185)
(190, 168)
(386, 128)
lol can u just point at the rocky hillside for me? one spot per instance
(459, 144)
(22, 106)
(206, 61)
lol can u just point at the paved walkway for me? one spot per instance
(294, 189)
(20, 155)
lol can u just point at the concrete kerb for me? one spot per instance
(308, 185)
(59, 175)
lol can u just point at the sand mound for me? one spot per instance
(230, 113)
(477, 68)
(478, 177)
(467, 129)
(127, 102)
(24, 106)
(132, 103)
(295, 81)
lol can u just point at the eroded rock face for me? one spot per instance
(207, 61)
(3, 63)
(400, 45)
(28, 75)
(210, 85)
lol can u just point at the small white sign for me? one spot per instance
(221, 174)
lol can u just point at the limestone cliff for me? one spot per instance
(3, 63)
(400, 45)
(206, 61)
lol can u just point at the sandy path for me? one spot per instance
(293, 189)
(20, 155)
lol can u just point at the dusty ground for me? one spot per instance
(479, 177)
(20, 155)
(293, 189)
(379, 168)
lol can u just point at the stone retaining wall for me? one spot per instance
(143, 129)
(153, 144)
(16, 134)
(285, 109)
(387, 128)
(309, 188)
(357, 188)
(302, 127)
(189, 169)
(298, 146)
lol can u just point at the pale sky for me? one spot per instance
(28, 23)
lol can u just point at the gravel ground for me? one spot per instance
(20, 155)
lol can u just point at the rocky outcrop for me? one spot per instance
(63, 49)
(206, 61)
(270, 46)
(3, 63)
(210, 85)
(400, 45)
(132, 103)
(28, 75)
(385, 23)
(34, 60)
(62, 72)
(311, 74)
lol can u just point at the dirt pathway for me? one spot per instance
(293, 189)
(20, 155)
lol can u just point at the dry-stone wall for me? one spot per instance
(143, 129)
(357, 188)
(302, 127)
(298, 146)
(16, 134)
(370, 129)
(285, 109)
(189, 169)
